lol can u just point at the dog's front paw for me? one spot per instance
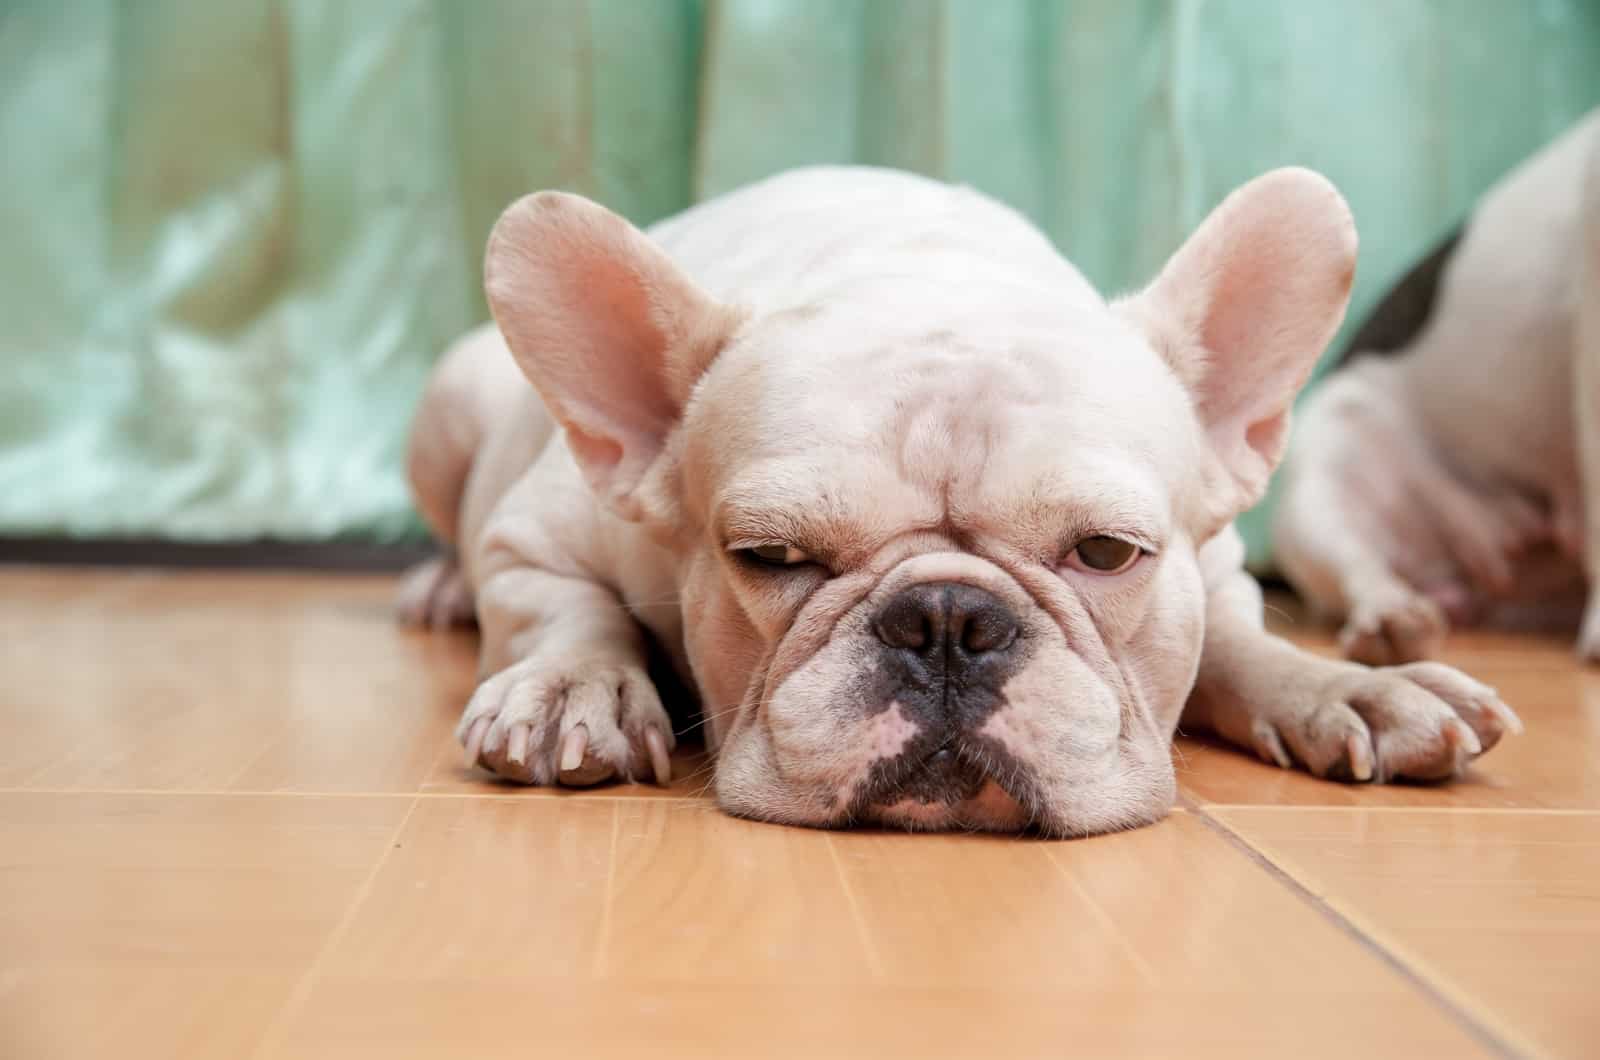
(1422, 721)
(578, 724)
(1395, 627)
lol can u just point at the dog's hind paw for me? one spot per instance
(1398, 628)
(434, 595)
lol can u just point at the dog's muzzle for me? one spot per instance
(948, 649)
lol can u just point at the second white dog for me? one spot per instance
(1457, 477)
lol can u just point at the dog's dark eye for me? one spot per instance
(1102, 554)
(775, 555)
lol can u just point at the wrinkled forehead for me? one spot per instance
(890, 427)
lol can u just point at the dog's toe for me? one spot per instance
(1474, 702)
(1331, 740)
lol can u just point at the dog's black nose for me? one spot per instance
(946, 620)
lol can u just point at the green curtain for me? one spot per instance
(237, 232)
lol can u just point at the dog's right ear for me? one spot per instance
(606, 327)
(1242, 311)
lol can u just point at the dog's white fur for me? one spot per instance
(1459, 477)
(906, 382)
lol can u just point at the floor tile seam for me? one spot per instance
(307, 982)
(1439, 995)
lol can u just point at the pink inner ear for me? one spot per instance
(1267, 436)
(617, 391)
(600, 454)
(1275, 304)
(1251, 281)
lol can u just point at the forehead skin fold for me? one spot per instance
(797, 434)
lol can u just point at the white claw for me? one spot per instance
(660, 761)
(1360, 751)
(1505, 715)
(1463, 739)
(517, 745)
(573, 745)
(474, 743)
(1268, 745)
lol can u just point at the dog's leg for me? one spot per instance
(1374, 529)
(474, 385)
(566, 697)
(1343, 574)
(1335, 525)
(1586, 392)
(1339, 720)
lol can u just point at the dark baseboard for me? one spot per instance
(251, 555)
(239, 555)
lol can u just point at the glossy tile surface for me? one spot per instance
(233, 823)
(662, 927)
(169, 925)
(222, 683)
(1501, 910)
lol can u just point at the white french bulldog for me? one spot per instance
(1457, 476)
(941, 538)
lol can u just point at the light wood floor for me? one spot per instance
(233, 823)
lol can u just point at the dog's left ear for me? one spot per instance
(612, 334)
(1243, 310)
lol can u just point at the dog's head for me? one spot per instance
(939, 537)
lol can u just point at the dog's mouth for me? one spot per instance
(942, 778)
(948, 787)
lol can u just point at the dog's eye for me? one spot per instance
(1102, 554)
(775, 555)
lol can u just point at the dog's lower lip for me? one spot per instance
(942, 778)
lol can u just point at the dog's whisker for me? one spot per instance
(637, 605)
(1280, 612)
(706, 718)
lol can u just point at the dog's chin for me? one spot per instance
(989, 809)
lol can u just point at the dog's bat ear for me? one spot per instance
(611, 333)
(1245, 307)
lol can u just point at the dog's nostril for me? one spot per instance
(906, 624)
(988, 629)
